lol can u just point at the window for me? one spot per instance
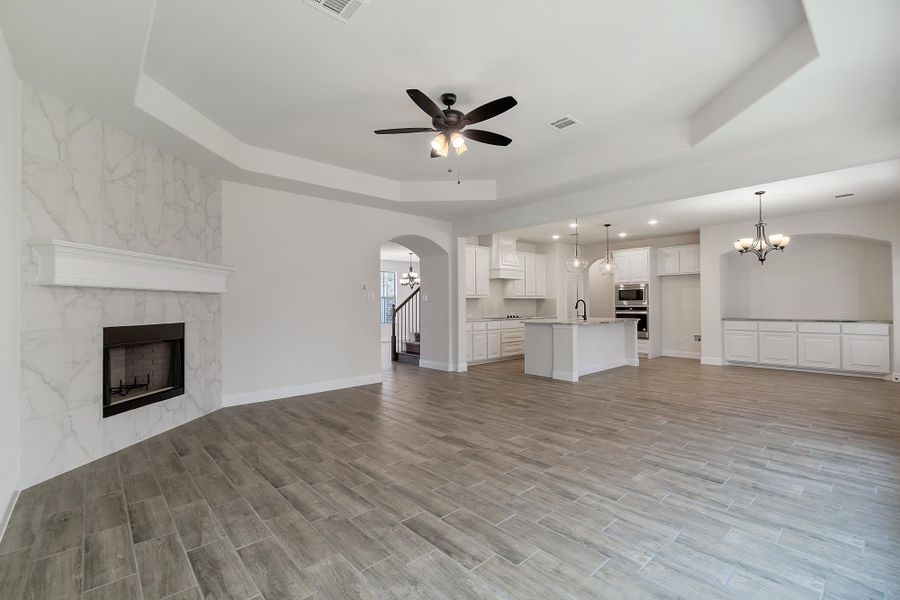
(388, 295)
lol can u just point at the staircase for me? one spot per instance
(406, 343)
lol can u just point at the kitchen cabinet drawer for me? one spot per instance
(778, 348)
(741, 325)
(511, 349)
(512, 335)
(479, 325)
(813, 327)
(512, 324)
(819, 350)
(777, 326)
(866, 328)
(741, 346)
(866, 353)
(494, 324)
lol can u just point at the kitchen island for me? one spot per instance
(566, 349)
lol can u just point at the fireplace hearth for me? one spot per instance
(142, 364)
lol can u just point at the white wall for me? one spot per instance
(680, 300)
(877, 221)
(818, 277)
(403, 291)
(10, 456)
(282, 335)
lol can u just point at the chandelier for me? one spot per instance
(761, 244)
(411, 278)
(607, 263)
(576, 264)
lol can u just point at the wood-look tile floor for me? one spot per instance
(672, 480)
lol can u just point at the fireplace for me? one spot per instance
(142, 364)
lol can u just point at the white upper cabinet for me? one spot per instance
(632, 266)
(470, 271)
(478, 264)
(678, 260)
(534, 283)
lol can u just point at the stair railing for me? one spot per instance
(404, 322)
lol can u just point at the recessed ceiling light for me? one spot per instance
(573, 225)
(652, 222)
(623, 234)
(556, 237)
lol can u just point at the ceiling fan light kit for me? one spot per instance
(761, 244)
(451, 124)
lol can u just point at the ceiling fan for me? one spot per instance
(452, 124)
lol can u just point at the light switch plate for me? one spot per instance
(370, 296)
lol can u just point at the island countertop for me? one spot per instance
(578, 321)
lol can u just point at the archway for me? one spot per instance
(424, 334)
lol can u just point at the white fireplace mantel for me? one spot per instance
(84, 265)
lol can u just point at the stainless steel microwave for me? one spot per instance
(632, 294)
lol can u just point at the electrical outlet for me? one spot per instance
(363, 286)
(696, 337)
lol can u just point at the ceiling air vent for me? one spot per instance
(342, 10)
(563, 122)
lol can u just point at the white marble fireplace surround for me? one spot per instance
(84, 181)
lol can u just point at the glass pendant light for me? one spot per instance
(761, 244)
(607, 264)
(576, 264)
(411, 278)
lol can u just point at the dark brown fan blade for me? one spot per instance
(426, 104)
(486, 137)
(434, 153)
(489, 110)
(404, 130)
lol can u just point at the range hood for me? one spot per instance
(505, 263)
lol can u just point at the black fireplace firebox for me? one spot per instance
(142, 364)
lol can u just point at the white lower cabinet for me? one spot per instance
(469, 351)
(741, 346)
(819, 351)
(866, 353)
(778, 348)
(826, 346)
(493, 344)
(479, 345)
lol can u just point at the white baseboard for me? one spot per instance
(437, 366)
(7, 512)
(565, 376)
(681, 354)
(712, 360)
(298, 390)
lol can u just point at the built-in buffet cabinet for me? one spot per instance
(853, 347)
(488, 341)
(478, 272)
(534, 284)
(633, 265)
(678, 260)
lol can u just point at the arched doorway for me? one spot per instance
(421, 325)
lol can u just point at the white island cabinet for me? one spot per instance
(567, 349)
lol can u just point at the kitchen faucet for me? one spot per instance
(582, 303)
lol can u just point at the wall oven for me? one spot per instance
(632, 294)
(636, 312)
